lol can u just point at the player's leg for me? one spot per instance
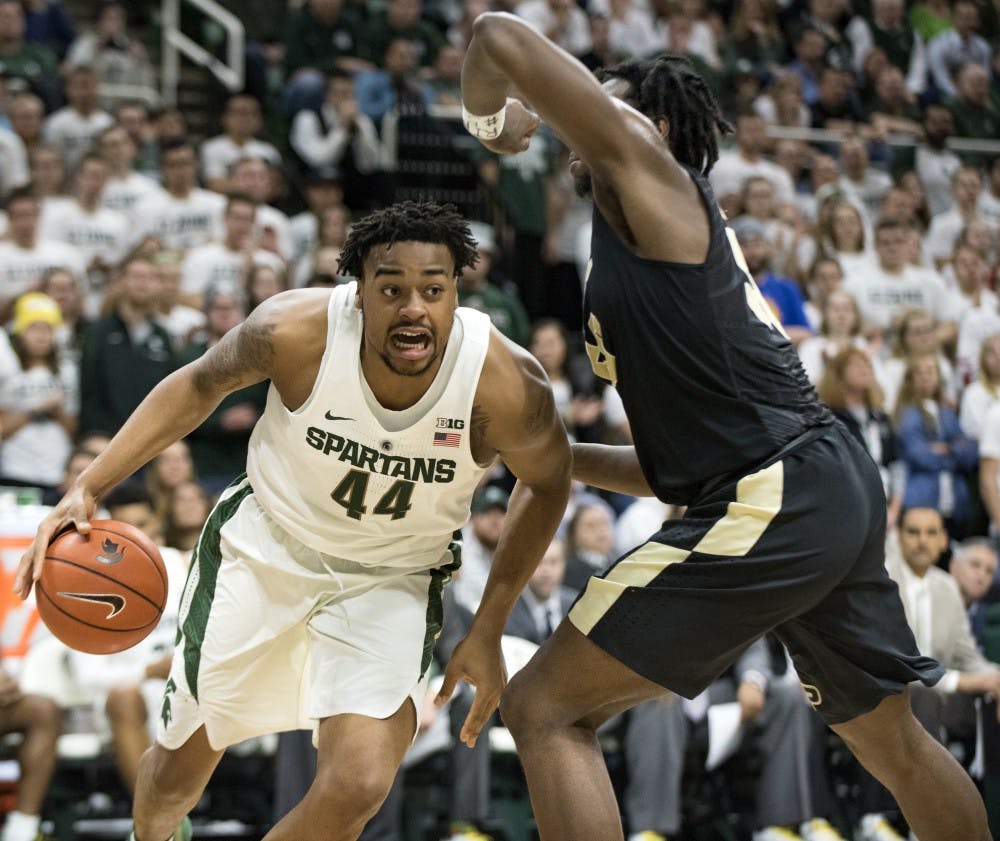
(128, 718)
(39, 720)
(937, 797)
(170, 783)
(357, 763)
(553, 708)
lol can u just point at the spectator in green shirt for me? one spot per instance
(478, 291)
(219, 445)
(36, 64)
(319, 36)
(974, 109)
(402, 19)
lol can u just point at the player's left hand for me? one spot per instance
(518, 127)
(479, 662)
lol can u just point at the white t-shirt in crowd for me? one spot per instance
(180, 323)
(574, 38)
(21, 267)
(180, 223)
(976, 402)
(732, 170)
(73, 134)
(219, 153)
(122, 194)
(37, 452)
(14, 171)
(882, 297)
(103, 233)
(935, 169)
(213, 262)
(943, 233)
(976, 326)
(989, 208)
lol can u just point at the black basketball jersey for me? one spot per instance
(709, 380)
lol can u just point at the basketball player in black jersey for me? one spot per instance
(786, 514)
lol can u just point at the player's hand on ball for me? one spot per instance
(479, 662)
(74, 509)
(518, 127)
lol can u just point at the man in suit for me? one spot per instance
(539, 609)
(937, 615)
(974, 567)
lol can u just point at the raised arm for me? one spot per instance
(181, 402)
(516, 417)
(635, 175)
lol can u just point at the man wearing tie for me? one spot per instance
(937, 615)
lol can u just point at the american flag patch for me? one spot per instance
(447, 439)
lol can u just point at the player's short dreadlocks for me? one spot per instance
(409, 221)
(669, 86)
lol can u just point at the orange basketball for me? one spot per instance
(105, 592)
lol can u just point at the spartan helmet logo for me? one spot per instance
(110, 553)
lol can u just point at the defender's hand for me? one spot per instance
(518, 126)
(75, 509)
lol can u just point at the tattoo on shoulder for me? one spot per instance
(249, 349)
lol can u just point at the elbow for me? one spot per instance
(496, 33)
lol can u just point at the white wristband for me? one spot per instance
(485, 128)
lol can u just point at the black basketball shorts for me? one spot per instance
(797, 546)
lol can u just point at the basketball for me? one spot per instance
(104, 592)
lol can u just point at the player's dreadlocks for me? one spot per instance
(669, 86)
(409, 221)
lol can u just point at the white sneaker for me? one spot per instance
(818, 829)
(775, 833)
(877, 828)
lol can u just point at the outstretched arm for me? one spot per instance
(610, 467)
(525, 429)
(174, 408)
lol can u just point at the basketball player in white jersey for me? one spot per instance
(314, 592)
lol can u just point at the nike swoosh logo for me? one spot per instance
(116, 603)
(337, 417)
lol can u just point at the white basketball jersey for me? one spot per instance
(352, 479)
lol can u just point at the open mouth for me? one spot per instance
(411, 343)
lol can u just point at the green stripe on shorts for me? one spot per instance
(207, 558)
(435, 606)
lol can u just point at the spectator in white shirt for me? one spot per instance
(933, 162)
(24, 257)
(961, 44)
(966, 187)
(859, 178)
(338, 139)
(101, 235)
(241, 121)
(13, 162)
(177, 318)
(182, 215)
(561, 21)
(890, 285)
(253, 177)
(734, 167)
(980, 396)
(229, 259)
(125, 187)
(978, 305)
(73, 128)
(323, 190)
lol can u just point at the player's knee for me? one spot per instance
(167, 779)
(354, 787)
(521, 707)
(43, 715)
(125, 705)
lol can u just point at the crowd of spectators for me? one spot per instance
(862, 184)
